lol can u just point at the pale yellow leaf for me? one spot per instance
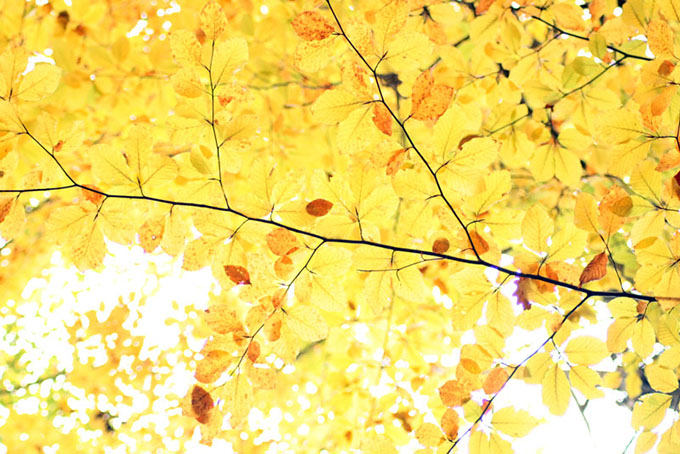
(643, 338)
(586, 350)
(650, 410)
(537, 227)
(306, 322)
(39, 83)
(515, 423)
(586, 381)
(556, 392)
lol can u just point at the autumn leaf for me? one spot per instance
(213, 20)
(495, 380)
(237, 274)
(450, 423)
(429, 100)
(282, 242)
(596, 269)
(201, 403)
(440, 246)
(382, 119)
(454, 393)
(318, 207)
(312, 26)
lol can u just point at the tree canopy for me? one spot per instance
(385, 212)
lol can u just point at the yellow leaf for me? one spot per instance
(313, 56)
(623, 307)
(537, 227)
(330, 260)
(377, 444)
(429, 435)
(312, 26)
(645, 442)
(586, 350)
(643, 338)
(227, 57)
(660, 38)
(213, 20)
(212, 365)
(9, 119)
(568, 16)
(306, 322)
(12, 218)
(333, 106)
(39, 83)
(481, 443)
(186, 49)
(650, 410)
(619, 333)
(555, 161)
(585, 213)
(556, 391)
(110, 167)
(185, 82)
(515, 423)
(661, 379)
(586, 381)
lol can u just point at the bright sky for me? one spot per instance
(133, 271)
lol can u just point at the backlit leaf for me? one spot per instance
(312, 26)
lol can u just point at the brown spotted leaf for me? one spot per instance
(395, 162)
(312, 26)
(151, 233)
(596, 269)
(450, 424)
(382, 118)
(237, 274)
(254, 351)
(282, 242)
(201, 404)
(318, 207)
(429, 100)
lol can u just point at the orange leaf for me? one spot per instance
(483, 6)
(151, 233)
(479, 243)
(93, 197)
(429, 100)
(318, 207)
(201, 404)
(395, 162)
(450, 423)
(660, 37)
(237, 274)
(283, 267)
(440, 245)
(596, 269)
(665, 68)
(282, 242)
(382, 118)
(312, 26)
(470, 366)
(453, 393)
(5, 206)
(495, 380)
(211, 367)
(254, 351)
